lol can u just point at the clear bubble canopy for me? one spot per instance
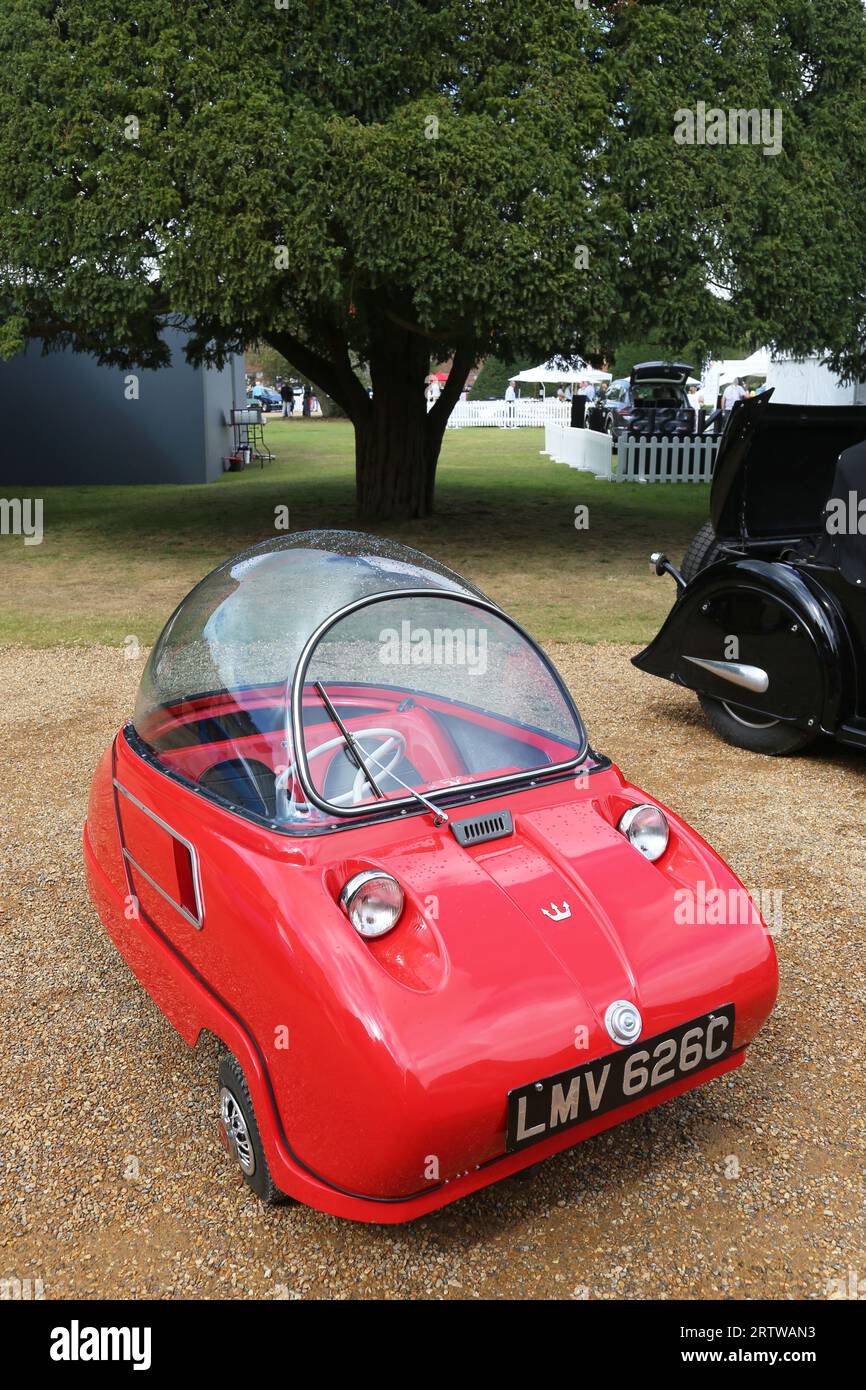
(319, 675)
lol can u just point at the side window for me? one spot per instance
(160, 862)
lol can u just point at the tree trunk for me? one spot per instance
(395, 452)
(394, 465)
(397, 440)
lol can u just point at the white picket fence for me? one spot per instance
(643, 460)
(520, 414)
(658, 460)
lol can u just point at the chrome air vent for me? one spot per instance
(476, 829)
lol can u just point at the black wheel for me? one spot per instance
(755, 732)
(240, 1133)
(702, 551)
(528, 1174)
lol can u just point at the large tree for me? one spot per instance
(389, 182)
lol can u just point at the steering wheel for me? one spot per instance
(382, 759)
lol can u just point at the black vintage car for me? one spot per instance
(769, 623)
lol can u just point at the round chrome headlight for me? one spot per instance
(647, 829)
(372, 901)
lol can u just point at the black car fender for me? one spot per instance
(764, 635)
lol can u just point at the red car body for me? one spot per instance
(380, 1069)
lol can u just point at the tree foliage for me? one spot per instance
(392, 182)
(492, 380)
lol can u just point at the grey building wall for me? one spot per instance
(66, 419)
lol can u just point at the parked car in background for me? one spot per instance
(769, 623)
(651, 401)
(296, 387)
(267, 398)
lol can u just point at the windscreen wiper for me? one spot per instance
(439, 816)
(351, 741)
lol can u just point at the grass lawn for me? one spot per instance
(115, 560)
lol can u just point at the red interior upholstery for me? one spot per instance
(430, 748)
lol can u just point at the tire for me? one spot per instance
(702, 551)
(241, 1133)
(744, 729)
(528, 1174)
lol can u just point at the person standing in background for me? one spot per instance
(579, 404)
(287, 396)
(510, 407)
(733, 393)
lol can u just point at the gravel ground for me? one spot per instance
(112, 1179)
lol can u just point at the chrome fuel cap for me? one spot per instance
(623, 1021)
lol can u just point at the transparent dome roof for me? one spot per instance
(329, 674)
(248, 621)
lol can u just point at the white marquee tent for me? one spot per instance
(549, 371)
(806, 381)
(721, 373)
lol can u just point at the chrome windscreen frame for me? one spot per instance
(400, 804)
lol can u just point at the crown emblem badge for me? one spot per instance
(557, 914)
